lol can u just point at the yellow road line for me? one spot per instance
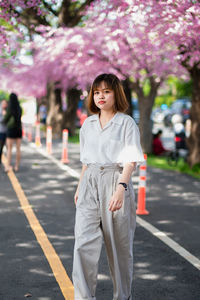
(55, 263)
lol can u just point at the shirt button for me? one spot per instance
(102, 168)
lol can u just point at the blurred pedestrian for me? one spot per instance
(105, 201)
(179, 132)
(12, 120)
(43, 113)
(188, 126)
(3, 128)
(158, 148)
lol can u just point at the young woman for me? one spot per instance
(12, 120)
(105, 205)
(3, 128)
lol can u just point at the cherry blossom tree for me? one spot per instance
(73, 57)
(65, 13)
(185, 33)
(177, 21)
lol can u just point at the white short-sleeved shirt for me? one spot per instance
(118, 142)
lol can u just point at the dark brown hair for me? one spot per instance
(113, 83)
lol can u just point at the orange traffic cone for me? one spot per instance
(37, 135)
(64, 158)
(23, 131)
(141, 208)
(49, 140)
(30, 133)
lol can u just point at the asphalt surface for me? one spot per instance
(160, 273)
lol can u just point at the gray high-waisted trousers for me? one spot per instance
(94, 221)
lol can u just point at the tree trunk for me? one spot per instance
(145, 107)
(54, 108)
(70, 14)
(69, 120)
(127, 90)
(194, 138)
(145, 124)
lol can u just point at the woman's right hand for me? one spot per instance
(76, 197)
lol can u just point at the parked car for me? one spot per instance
(159, 114)
(181, 107)
(135, 111)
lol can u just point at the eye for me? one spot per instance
(96, 93)
(107, 91)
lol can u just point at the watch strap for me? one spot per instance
(124, 185)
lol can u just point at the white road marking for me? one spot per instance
(156, 232)
(63, 167)
(171, 243)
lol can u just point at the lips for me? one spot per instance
(101, 102)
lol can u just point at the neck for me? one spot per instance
(106, 115)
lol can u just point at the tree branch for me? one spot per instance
(49, 7)
(30, 17)
(71, 17)
(135, 86)
(154, 87)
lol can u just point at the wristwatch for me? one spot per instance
(124, 185)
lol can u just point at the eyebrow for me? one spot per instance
(103, 89)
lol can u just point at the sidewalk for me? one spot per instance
(160, 273)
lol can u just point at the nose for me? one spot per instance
(101, 95)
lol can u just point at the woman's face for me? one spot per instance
(104, 97)
(4, 104)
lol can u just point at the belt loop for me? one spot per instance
(101, 167)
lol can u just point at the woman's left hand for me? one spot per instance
(117, 199)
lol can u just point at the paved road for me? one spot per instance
(159, 272)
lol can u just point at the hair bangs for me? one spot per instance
(107, 79)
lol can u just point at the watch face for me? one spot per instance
(124, 185)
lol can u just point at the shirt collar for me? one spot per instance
(117, 119)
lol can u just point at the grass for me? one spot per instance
(74, 139)
(182, 166)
